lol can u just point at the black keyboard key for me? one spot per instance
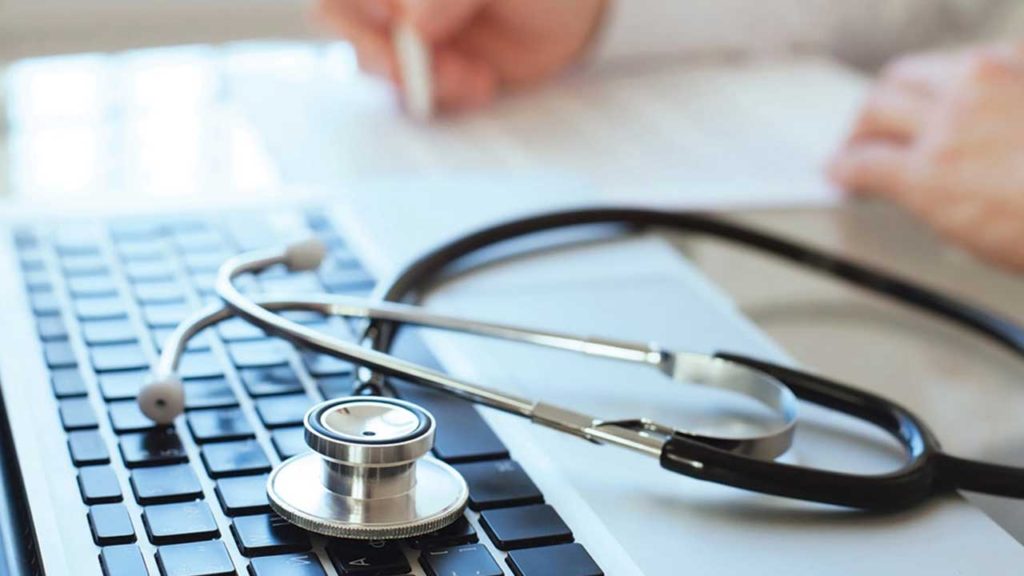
(25, 239)
(176, 483)
(116, 357)
(563, 559)
(205, 284)
(372, 558)
(209, 393)
(219, 425)
(258, 353)
(179, 522)
(195, 559)
(320, 365)
(125, 416)
(289, 441)
(77, 242)
(141, 250)
(294, 283)
(32, 258)
(157, 447)
(67, 382)
(87, 447)
(149, 271)
(198, 343)
(134, 231)
(166, 315)
(287, 565)
(51, 328)
(77, 414)
(525, 527)
(471, 560)
(100, 308)
(497, 484)
(336, 386)
(94, 286)
(38, 281)
(117, 331)
(122, 385)
(278, 411)
(462, 435)
(268, 534)
(243, 495)
(199, 262)
(201, 242)
(236, 329)
(111, 524)
(44, 303)
(59, 354)
(200, 365)
(123, 560)
(455, 534)
(270, 381)
(159, 292)
(350, 281)
(84, 265)
(234, 459)
(99, 485)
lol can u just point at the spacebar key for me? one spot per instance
(462, 434)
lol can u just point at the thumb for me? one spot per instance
(871, 168)
(439, 20)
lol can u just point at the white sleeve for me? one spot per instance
(865, 32)
(653, 29)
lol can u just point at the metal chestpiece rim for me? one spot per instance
(368, 475)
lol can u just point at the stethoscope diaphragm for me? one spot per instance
(368, 475)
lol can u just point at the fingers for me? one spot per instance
(366, 24)
(872, 168)
(988, 229)
(461, 79)
(439, 20)
(462, 82)
(892, 113)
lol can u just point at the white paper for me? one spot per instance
(705, 135)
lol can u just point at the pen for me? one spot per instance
(414, 68)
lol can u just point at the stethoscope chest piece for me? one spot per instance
(366, 476)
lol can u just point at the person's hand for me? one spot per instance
(479, 46)
(943, 135)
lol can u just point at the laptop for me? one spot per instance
(92, 487)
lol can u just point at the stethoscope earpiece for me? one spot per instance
(162, 400)
(304, 255)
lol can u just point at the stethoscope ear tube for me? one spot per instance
(949, 472)
(982, 477)
(927, 471)
(910, 485)
(916, 480)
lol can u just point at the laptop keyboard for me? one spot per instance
(190, 499)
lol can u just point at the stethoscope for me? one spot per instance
(369, 473)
